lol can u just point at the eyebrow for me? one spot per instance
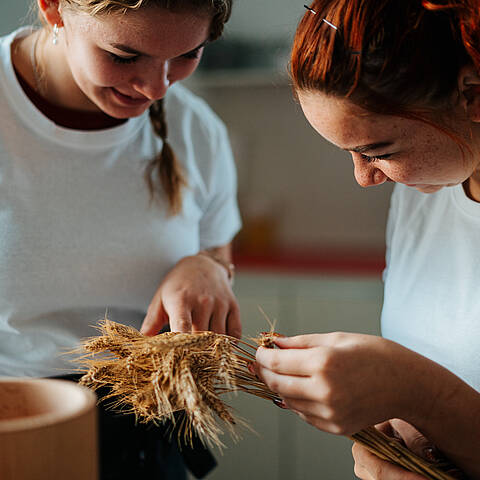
(369, 147)
(132, 51)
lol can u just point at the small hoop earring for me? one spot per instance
(55, 34)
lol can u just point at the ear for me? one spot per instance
(50, 10)
(469, 91)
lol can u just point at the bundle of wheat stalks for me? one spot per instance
(154, 377)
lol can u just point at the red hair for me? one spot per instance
(399, 57)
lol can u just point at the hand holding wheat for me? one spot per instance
(154, 377)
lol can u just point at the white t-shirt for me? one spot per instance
(432, 280)
(77, 232)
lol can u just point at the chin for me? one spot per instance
(429, 188)
(123, 113)
(120, 112)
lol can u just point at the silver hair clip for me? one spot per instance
(323, 19)
(310, 9)
(329, 24)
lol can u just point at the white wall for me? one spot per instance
(254, 19)
(13, 15)
(287, 170)
(260, 19)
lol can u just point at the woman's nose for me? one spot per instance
(154, 84)
(367, 174)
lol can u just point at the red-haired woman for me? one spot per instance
(396, 84)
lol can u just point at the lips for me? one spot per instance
(127, 100)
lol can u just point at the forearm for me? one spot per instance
(447, 411)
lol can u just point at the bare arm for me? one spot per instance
(447, 412)
(344, 382)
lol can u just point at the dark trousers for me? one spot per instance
(132, 450)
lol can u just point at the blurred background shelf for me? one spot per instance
(313, 262)
(238, 78)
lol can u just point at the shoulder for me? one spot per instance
(8, 81)
(6, 42)
(190, 112)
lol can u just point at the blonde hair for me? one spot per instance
(163, 174)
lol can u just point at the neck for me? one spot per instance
(472, 186)
(45, 67)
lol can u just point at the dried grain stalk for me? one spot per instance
(154, 377)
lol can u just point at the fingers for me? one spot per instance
(178, 313)
(414, 440)
(308, 408)
(360, 471)
(387, 428)
(359, 455)
(192, 315)
(285, 385)
(180, 320)
(194, 296)
(217, 316)
(301, 341)
(368, 466)
(419, 444)
(203, 314)
(302, 362)
(155, 318)
(234, 324)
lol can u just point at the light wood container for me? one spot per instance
(48, 430)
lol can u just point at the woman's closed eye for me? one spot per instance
(375, 158)
(123, 60)
(194, 53)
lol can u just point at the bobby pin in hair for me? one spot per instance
(310, 9)
(329, 24)
(323, 19)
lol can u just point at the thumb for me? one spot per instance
(415, 441)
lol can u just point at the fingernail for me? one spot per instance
(432, 454)
(397, 436)
(279, 403)
(251, 369)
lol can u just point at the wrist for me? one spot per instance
(447, 412)
(228, 266)
(412, 386)
(427, 390)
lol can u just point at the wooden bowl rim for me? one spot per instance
(88, 401)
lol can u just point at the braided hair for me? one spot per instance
(165, 166)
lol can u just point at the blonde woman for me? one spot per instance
(102, 205)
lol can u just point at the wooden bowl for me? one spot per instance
(48, 430)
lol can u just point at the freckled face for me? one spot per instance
(123, 63)
(389, 148)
